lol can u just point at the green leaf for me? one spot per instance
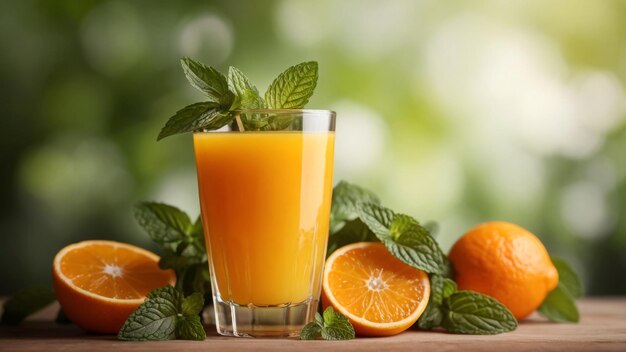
(377, 218)
(189, 327)
(559, 306)
(165, 315)
(568, 279)
(165, 224)
(431, 318)
(196, 229)
(336, 326)
(345, 201)
(311, 331)
(156, 318)
(194, 278)
(440, 288)
(449, 287)
(25, 303)
(246, 95)
(193, 304)
(352, 232)
(204, 115)
(293, 88)
(176, 262)
(209, 81)
(405, 238)
(467, 312)
(331, 326)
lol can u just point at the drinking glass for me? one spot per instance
(265, 184)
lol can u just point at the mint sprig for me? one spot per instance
(356, 215)
(560, 305)
(165, 315)
(226, 95)
(331, 326)
(182, 242)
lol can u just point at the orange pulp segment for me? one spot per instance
(99, 283)
(378, 293)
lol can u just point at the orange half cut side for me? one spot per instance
(378, 293)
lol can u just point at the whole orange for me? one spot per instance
(506, 262)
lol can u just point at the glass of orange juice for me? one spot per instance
(265, 199)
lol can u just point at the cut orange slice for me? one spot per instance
(378, 293)
(100, 283)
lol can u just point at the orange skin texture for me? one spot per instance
(92, 315)
(506, 262)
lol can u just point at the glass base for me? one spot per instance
(285, 321)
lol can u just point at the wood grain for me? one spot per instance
(602, 328)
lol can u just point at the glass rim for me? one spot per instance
(287, 111)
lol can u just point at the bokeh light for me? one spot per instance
(453, 112)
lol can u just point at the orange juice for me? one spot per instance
(265, 200)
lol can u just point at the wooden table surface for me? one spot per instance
(602, 328)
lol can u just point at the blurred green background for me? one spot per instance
(453, 111)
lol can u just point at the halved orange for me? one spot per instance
(378, 293)
(100, 283)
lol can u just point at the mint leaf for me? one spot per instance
(568, 279)
(467, 312)
(165, 224)
(209, 81)
(205, 115)
(197, 229)
(165, 315)
(345, 201)
(352, 232)
(246, 95)
(336, 326)
(25, 303)
(293, 88)
(312, 330)
(331, 326)
(193, 304)
(182, 241)
(440, 288)
(377, 218)
(190, 328)
(449, 287)
(405, 238)
(559, 306)
(431, 318)
(156, 318)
